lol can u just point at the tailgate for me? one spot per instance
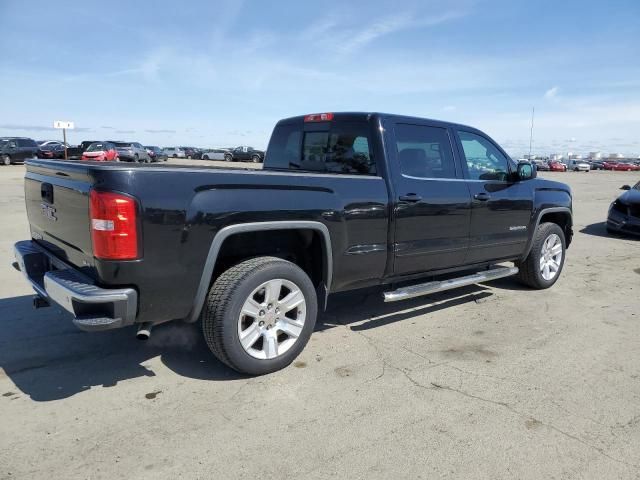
(57, 201)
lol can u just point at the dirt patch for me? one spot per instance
(344, 372)
(532, 423)
(152, 395)
(9, 394)
(299, 364)
(466, 350)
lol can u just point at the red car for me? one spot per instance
(101, 152)
(624, 167)
(557, 167)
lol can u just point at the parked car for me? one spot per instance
(578, 165)
(541, 165)
(214, 154)
(192, 152)
(42, 143)
(174, 152)
(557, 167)
(101, 152)
(156, 154)
(624, 212)
(332, 211)
(244, 154)
(132, 152)
(17, 149)
(75, 153)
(51, 150)
(609, 164)
(624, 167)
(596, 165)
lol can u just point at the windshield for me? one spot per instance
(123, 144)
(96, 147)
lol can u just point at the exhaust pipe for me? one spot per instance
(144, 331)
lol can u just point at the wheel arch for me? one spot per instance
(212, 260)
(562, 216)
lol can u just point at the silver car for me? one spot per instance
(214, 154)
(174, 152)
(132, 152)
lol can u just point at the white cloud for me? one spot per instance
(551, 93)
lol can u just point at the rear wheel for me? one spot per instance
(205, 157)
(255, 159)
(136, 158)
(543, 265)
(6, 160)
(259, 315)
(228, 158)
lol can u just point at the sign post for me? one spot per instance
(64, 125)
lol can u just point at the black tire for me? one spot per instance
(226, 299)
(175, 155)
(255, 159)
(228, 158)
(188, 157)
(6, 160)
(205, 157)
(136, 158)
(529, 273)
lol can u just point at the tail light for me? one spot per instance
(114, 226)
(318, 117)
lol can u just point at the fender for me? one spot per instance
(226, 232)
(537, 222)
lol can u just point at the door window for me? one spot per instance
(424, 152)
(484, 160)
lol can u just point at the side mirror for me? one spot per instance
(526, 171)
(625, 187)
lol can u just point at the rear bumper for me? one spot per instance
(93, 308)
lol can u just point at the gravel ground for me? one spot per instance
(492, 381)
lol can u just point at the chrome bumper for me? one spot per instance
(93, 308)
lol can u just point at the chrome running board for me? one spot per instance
(413, 291)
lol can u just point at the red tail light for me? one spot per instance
(319, 117)
(114, 226)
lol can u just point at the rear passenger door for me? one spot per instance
(432, 204)
(501, 205)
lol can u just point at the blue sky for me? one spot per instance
(211, 73)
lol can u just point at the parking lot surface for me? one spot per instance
(491, 381)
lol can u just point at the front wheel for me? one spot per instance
(6, 160)
(255, 159)
(259, 315)
(543, 265)
(228, 158)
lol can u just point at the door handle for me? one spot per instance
(482, 196)
(410, 197)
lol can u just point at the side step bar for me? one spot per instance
(413, 291)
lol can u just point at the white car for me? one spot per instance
(174, 152)
(578, 166)
(214, 154)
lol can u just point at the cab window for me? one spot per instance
(484, 160)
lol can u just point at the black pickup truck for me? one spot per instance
(345, 201)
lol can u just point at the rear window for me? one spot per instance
(26, 142)
(341, 148)
(122, 144)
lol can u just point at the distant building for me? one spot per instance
(554, 157)
(595, 155)
(616, 156)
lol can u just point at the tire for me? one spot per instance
(175, 156)
(136, 158)
(222, 320)
(255, 159)
(531, 272)
(205, 157)
(6, 160)
(228, 158)
(188, 157)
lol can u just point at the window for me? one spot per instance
(424, 152)
(26, 142)
(343, 148)
(484, 160)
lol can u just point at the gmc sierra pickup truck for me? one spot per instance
(345, 201)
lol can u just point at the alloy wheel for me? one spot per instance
(551, 257)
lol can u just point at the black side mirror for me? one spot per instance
(526, 171)
(625, 187)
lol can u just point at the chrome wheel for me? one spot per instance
(551, 257)
(271, 319)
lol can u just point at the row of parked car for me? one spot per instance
(17, 149)
(578, 165)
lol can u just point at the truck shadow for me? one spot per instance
(48, 358)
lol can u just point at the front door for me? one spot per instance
(432, 204)
(501, 205)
